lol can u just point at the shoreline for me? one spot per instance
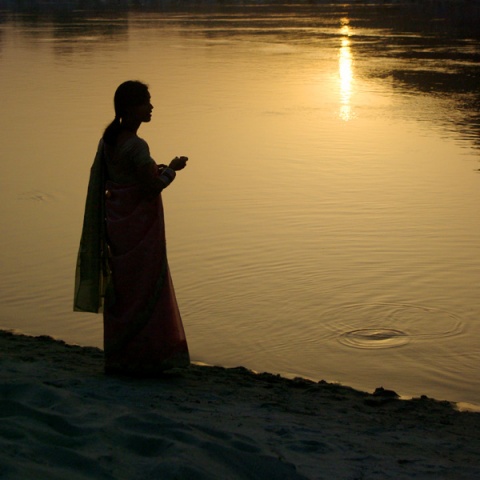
(62, 417)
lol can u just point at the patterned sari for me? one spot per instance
(143, 330)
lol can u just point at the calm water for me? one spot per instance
(327, 225)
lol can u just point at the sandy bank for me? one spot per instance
(62, 418)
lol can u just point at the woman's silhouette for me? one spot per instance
(123, 252)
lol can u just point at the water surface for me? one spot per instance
(327, 225)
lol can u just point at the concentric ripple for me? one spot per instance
(388, 325)
(374, 338)
(36, 196)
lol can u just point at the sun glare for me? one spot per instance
(345, 67)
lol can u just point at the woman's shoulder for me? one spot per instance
(136, 140)
(135, 151)
(135, 144)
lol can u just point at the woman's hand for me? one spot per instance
(178, 163)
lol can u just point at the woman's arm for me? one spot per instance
(154, 178)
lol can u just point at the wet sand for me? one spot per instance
(61, 417)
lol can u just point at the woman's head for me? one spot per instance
(129, 95)
(132, 106)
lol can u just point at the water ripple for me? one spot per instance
(389, 325)
(374, 338)
(36, 196)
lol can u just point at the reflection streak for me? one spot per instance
(345, 73)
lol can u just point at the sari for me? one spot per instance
(143, 330)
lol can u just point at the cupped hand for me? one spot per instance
(178, 163)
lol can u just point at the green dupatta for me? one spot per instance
(92, 273)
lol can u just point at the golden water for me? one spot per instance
(327, 224)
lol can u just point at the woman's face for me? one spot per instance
(143, 112)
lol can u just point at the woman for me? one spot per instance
(122, 251)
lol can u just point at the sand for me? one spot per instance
(63, 419)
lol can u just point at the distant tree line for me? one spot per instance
(470, 6)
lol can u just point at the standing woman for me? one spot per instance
(122, 254)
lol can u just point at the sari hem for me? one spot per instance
(150, 370)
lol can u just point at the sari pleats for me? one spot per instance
(143, 330)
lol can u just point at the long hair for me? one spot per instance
(129, 94)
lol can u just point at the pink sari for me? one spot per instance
(143, 331)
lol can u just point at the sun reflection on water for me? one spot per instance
(345, 67)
